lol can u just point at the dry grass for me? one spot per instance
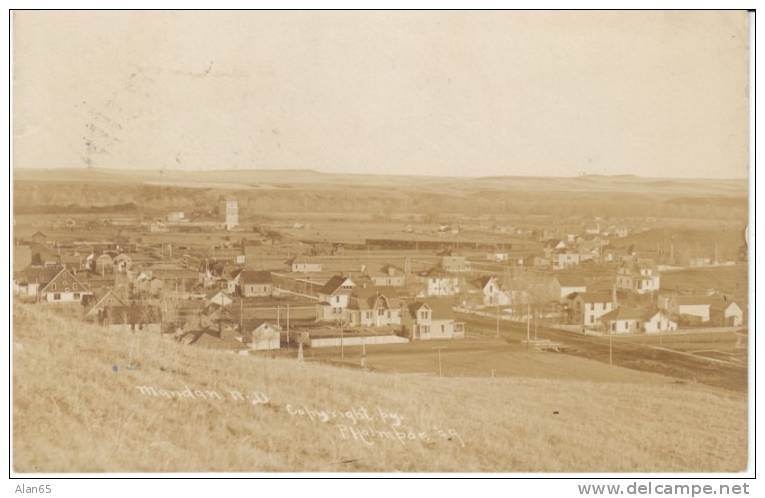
(73, 412)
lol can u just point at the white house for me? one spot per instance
(263, 336)
(689, 308)
(726, 313)
(658, 321)
(439, 283)
(641, 278)
(565, 258)
(487, 291)
(303, 265)
(374, 310)
(566, 285)
(432, 319)
(334, 298)
(389, 276)
(64, 287)
(591, 306)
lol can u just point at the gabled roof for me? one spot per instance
(626, 313)
(333, 285)
(133, 314)
(595, 297)
(571, 280)
(255, 277)
(104, 297)
(435, 272)
(482, 282)
(441, 309)
(693, 300)
(390, 270)
(367, 299)
(38, 274)
(208, 338)
(252, 325)
(63, 274)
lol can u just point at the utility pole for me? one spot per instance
(528, 325)
(342, 350)
(439, 348)
(610, 348)
(497, 319)
(288, 325)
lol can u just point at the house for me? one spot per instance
(255, 283)
(565, 285)
(262, 336)
(439, 282)
(487, 291)
(300, 264)
(64, 287)
(430, 319)
(158, 226)
(389, 276)
(623, 320)
(97, 303)
(550, 246)
(103, 264)
(43, 255)
(689, 310)
(368, 309)
(455, 263)
(497, 257)
(640, 278)
(657, 320)
(726, 313)
(565, 258)
(588, 307)
(28, 282)
(212, 338)
(176, 217)
(132, 317)
(219, 298)
(334, 297)
(122, 262)
(39, 238)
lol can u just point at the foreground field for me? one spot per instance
(89, 400)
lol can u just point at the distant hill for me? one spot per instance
(89, 400)
(255, 177)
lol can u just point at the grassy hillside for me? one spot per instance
(77, 407)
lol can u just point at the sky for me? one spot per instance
(427, 93)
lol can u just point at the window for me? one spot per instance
(380, 312)
(53, 286)
(77, 295)
(74, 286)
(443, 328)
(56, 296)
(388, 313)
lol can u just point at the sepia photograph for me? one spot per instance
(386, 242)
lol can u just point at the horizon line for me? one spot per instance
(421, 175)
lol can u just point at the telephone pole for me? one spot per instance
(497, 320)
(439, 348)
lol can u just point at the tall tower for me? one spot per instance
(232, 214)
